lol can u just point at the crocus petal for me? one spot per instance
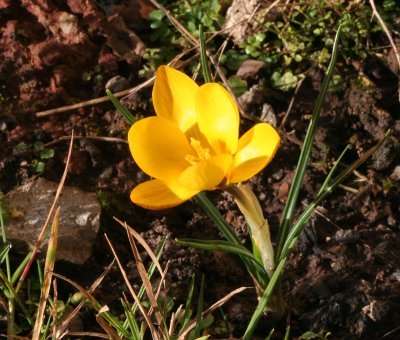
(206, 174)
(256, 148)
(174, 97)
(158, 195)
(159, 148)
(218, 117)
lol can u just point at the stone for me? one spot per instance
(395, 176)
(79, 221)
(242, 20)
(237, 19)
(250, 68)
(268, 115)
(117, 84)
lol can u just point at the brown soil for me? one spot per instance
(344, 276)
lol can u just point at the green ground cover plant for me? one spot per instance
(300, 36)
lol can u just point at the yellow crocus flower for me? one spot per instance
(193, 143)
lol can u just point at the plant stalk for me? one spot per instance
(250, 207)
(259, 228)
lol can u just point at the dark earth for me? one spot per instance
(344, 275)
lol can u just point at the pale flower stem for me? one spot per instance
(259, 227)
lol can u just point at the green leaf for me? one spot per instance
(46, 154)
(238, 85)
(21, 147)
(205, 337)
(311, 335)
(207, 321)
(249, 49)
(156, 15)
(38, 145)
(285, 81)
(221, 245)
(260, 37)
(38, 166)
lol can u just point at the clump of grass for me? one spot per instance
(299, 37)
(145, 312)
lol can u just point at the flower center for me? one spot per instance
(202, 153)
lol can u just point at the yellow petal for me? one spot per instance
(206, 174)
(256, 148)
(174, 97)
(218, 117)
(159, 148)
(158, 195)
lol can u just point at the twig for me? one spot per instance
(389, 36)
(291, 103)
(123, 93)
(98, 138)
(147, 317)
(63, 327)
(96, 101)
(176, 23)
(255, 11)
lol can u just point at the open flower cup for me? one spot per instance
(193, 143)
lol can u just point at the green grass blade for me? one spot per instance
(4, 252)
(4, 237)
(302, 220)
(20, 268)
(292, 238)
(262, 304)
(332, 171)
(40, 272)
(270, 334)
(199, 309)
(222, 246)
(150, 271)
(117, 324)
(46, 329)
(226, 230)
(188, 311)
(295, 232)
(131, 321)
(11, 293)
(203, 57)
(217, 218)
(48, 269)
(287, 333)
(294, 191)
(5, 257)
(123, 111)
